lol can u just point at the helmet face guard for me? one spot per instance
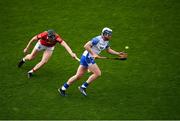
(107, 31)
(51, 34)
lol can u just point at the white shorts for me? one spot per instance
(41, 47)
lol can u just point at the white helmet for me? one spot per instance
(106, 31)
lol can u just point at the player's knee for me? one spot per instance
(98, 73)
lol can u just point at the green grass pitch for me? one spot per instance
(146, 86)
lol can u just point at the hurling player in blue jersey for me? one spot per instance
(93, 48)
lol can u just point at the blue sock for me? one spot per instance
(65, 86)
(85, 85)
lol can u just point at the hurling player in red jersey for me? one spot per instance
(46, 42)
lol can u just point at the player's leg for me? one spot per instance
(96, 72)
(30, 56)
(80, 72)
(46, 56)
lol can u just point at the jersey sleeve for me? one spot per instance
(94, 41)
(59, 39)
(41, 35)
(107, 46)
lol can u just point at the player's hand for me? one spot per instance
(73, 55)
(95, 56)
(25, 50)
(123, 55)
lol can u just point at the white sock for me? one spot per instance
(31, 71)
(63, 88)
(83, 86)
(23, 59)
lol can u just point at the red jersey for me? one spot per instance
(44, 39)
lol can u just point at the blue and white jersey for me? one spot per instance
(98, 44)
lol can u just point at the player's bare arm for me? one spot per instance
(65, 45)
(111, 51)
(122, 55)
(29, 44)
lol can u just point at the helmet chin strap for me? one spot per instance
(105, 38)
